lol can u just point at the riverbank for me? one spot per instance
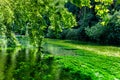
(85, 61)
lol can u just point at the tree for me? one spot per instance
(27, 15)
(101, 8)
(6, 20)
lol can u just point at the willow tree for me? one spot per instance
(6, 20)
(28, 15)
(59, 16)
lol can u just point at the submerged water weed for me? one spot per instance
(92, 62)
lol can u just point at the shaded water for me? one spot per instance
(31, 64)
(24, 64)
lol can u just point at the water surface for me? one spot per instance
(24, 64)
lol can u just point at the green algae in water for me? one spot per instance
(25, 64)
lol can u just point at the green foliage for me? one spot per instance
(85, 21)
(27, 18)
(113, 29)
(96, 31)
(52, 34)
(27, 64)
(72, 34)
(102, 9)
(35, 71)
(6, 20)
(85, 61)
(106, 34)
(117, 4)
(114, 20)
(6, 12)
(81, 3)
(61, 18)
(109, 33)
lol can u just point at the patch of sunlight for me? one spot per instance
(106, 51)
(116, 79)
(103, 50)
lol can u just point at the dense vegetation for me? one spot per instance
(24, 25)
(84, 60)
(97, 21)
(28, 18)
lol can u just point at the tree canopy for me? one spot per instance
(28, 16)
(31, 18)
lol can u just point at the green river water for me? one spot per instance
(29, 64)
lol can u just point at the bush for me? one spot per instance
(74, 34)
(113, 35)
(113, 29)
(95, 32)
(64, 32)
(69, 34)
(52, 34)
(109, 34)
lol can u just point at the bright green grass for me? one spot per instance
(89, 62)
(98, 49)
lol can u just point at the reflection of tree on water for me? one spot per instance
(32, 66)
(2, 63)
(7, 63)
(18, 65)
(10, 63)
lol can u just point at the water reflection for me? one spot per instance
(7, 63)
(30, 64)
(23, 64)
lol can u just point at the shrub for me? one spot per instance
(95, 32)
(64, 32)
(109, 34)
(113, 29)
(113, 35)
(52, 34)
(72, 34)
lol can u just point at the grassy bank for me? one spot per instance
(87, 62)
